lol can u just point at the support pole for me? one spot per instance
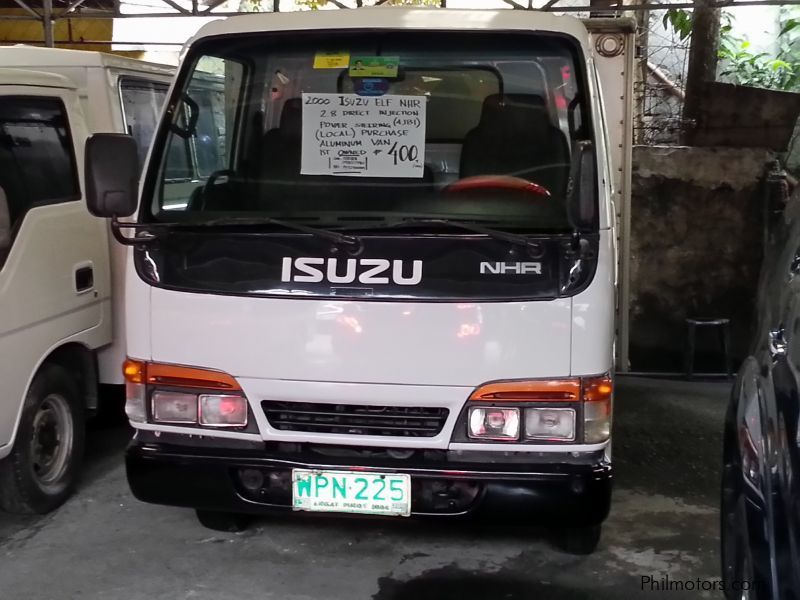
(47, 23)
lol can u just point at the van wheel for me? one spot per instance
(223, 521)
(580, 540)
(42, 469)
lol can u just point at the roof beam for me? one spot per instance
(176, 6)
(28, 9)
(70, 7)
(212, 6)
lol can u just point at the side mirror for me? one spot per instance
(5, 223)
(582, 188)
(112, 175)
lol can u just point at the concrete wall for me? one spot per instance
(696, 246)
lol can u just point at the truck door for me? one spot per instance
(54, 274)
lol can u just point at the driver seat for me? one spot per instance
(515, 136)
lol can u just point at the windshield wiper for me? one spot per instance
(325, 234)
(533, 246)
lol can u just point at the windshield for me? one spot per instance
(350, 131)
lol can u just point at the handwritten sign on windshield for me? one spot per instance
(357, 136)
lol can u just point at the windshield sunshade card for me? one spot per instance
(357, 136)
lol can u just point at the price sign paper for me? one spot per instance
(357, 136)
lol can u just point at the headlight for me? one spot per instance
(551, 410)
(183, 395)
(174, 407)
(557, 424)
(491, 423)
(223, 411)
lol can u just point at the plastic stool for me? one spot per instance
(725, 337)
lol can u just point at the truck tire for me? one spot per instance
(42, 470)
(222, 521)
(581, 540)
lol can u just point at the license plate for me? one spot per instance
(351, 492)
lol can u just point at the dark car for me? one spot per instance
(760, 487)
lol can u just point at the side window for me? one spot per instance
(202, 130)
(37, 160)
(141, 106)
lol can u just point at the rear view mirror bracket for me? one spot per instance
(191, 119)
(582, 186)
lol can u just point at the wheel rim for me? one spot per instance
(51, 444)
(738, 563)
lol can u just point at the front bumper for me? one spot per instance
(576, 492)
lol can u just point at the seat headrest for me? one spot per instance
(292, 118)
(514, 115)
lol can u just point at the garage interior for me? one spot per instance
(706, 192)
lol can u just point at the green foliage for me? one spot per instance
(739, 63)
(742, 66)
(680, 20)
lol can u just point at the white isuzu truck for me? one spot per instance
(60, 278)
(391, 288)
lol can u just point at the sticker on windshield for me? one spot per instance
(374, 66)
(357, 136)
(338, 59)
(370, 86)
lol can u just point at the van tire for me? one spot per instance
(223, 521)
(580, 540)
(42, 470)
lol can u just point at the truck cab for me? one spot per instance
(394, 292)
(57, 268)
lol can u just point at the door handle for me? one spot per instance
(777, 343)
(84, 278)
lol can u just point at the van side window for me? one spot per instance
(141, 107)
(37, 160)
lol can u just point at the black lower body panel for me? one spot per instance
(572, 493)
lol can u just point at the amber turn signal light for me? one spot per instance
(177, 375)
(533, 390)
(597, 389)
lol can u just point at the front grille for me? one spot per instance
(354, 419)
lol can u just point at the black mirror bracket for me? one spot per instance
(142, 236)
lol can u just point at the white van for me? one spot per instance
(391, 291)
(57, 299)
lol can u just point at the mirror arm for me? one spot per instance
(138, 240)
(574, 192)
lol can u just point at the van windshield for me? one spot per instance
(347, 131)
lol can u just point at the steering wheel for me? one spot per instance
(210, 182)
(497, 182)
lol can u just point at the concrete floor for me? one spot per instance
(103, 544)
